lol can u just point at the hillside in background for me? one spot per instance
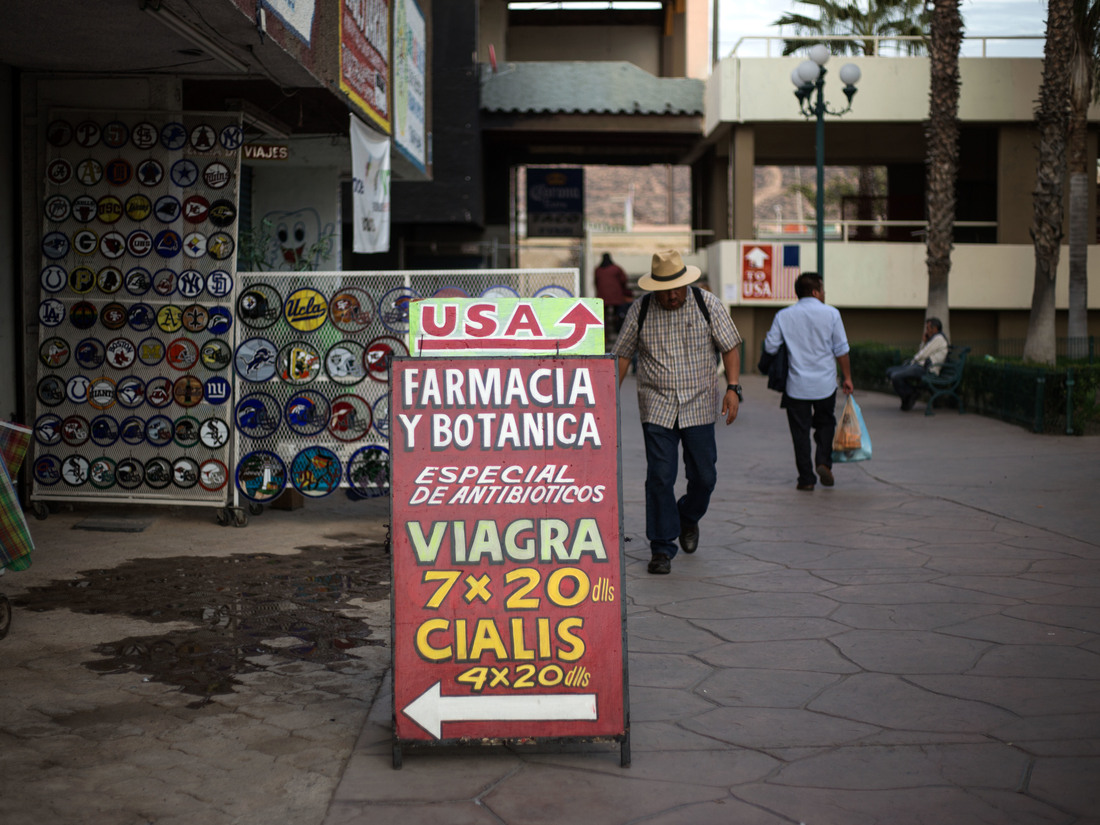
(662, 194)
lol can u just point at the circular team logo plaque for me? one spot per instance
(306, 310)
(213, 475)
(351, 418)
(261, 475)
(158, 431)
(74, 470)
(158, 473)
(255, 360)
(101, 473)
(259, 306)
(187, 391)
(344, 363)
(214, 433)
(369, 471)
(299, 363)
(393, 309)
(47, 430)
(132, 430)
(315, 471)
(54, 353)
(129, 473)
(352, 309)
(379, 357)
(104, 430)
(307, 412)
(258, 415)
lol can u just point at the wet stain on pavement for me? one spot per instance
(250, 612)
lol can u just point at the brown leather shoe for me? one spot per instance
(807, 487)
(826, 475)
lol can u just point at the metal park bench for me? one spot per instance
(947, 382)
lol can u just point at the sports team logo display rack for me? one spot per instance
(134, 391)
(312, 361)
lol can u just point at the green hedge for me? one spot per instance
(869, 363)
(1034, 396)
(1026, 394)
(1086, 399)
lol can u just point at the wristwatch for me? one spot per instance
(737, 389)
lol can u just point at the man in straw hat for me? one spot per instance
(675, 333)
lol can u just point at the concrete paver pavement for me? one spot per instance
(920, 643)
(917, 644)
(121, 748)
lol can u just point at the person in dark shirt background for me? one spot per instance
(612, 289)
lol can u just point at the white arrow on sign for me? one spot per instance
(431, 709)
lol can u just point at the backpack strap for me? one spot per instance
(698, 293)
(644, 308)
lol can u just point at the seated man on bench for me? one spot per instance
(929, 358)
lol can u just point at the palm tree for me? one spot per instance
(1083, 87)
(943, 151)
(1052, 118)
(871, 19)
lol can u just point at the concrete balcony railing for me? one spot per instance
(1027, 45)
(877, 275)
(892, 90)
(856, 231)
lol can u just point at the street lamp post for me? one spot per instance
(808, 77)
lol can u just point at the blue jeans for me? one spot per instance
(664, 515)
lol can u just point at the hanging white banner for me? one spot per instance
(370, 188)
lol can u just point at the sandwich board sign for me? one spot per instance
(508, 612)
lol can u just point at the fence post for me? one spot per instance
(1040, 393)
(1069, 401)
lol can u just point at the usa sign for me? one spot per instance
(768, 271)
(506, 326)
(508, 613)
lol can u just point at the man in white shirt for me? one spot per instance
(929, 358)
(816, 344)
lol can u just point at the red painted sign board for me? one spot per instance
(508, 613)
(365, 57)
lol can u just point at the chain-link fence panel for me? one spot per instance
(311, 364)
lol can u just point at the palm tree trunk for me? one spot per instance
(943, 152)
(1079, 204)
(1046, 231)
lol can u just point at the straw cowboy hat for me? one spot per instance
(668, 272)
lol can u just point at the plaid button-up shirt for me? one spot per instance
(677, 384)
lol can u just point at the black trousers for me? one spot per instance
(820, 415)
